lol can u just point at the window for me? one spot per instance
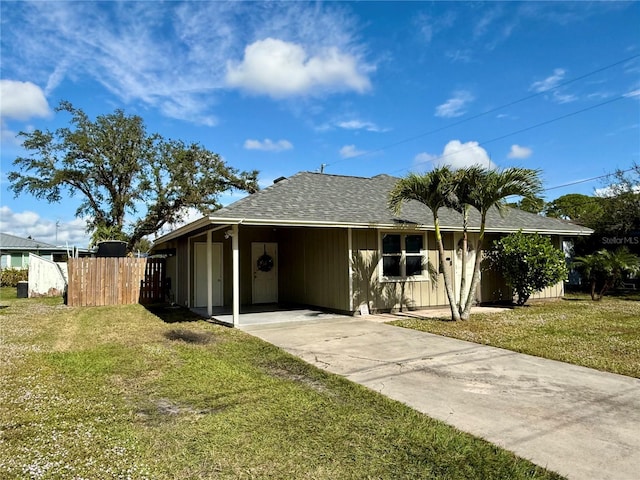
(402, 255)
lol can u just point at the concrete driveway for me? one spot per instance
(579, 422)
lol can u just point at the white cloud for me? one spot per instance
(361, 125)
(28, 223)
(22, 100)
(455, 106)
(423, 160)
(457, 155)
(268, 145)
(518, 151)
(613, 190)
(350, 151)
(281, 69)
(552, 81)
(171, 56)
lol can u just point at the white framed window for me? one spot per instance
(403, 255)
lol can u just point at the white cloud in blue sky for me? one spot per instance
(337, 80)
(519, 152)
(268, 145)
(282, 69)
(456, 106)
(455, 154)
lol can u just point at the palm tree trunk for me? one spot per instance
(465, 243)
(475, 279)
(455, 314)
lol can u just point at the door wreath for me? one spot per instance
(265, 261)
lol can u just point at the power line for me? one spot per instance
(492, 110)
(586, 180)
(531, 127)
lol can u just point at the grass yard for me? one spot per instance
(603, 335)
(123, 392)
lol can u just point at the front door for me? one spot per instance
(201, 276)
(264, 261)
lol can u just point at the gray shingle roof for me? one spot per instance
(311, 198)
(11, 242)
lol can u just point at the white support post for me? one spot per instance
(350, 263)
(236, 275)
(209, 275)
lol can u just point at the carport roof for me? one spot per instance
(318, 199)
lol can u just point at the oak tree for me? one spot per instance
(131, 183)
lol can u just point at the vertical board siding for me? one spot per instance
(114, 281)
(395, 295)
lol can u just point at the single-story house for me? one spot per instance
(14, 251)
(331, 242)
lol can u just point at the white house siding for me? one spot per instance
(46, 278)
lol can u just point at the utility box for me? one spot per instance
(112, 248)
(23, 289)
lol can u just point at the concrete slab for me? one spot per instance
(579, 422)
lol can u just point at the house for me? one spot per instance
(14, 251)
(330, 242)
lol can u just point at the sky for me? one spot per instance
(348, 88)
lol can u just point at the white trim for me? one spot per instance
(350, 264)
(235, 245)
(203, 222)
(424, 253)
(209, 275)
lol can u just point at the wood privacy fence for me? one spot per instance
(115, 281)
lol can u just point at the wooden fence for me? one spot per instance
(115, 281)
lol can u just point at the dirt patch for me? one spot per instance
(298, 378)
(189, 336)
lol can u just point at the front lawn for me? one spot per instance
(124, 392)
(604, 335)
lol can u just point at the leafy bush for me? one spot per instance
(528, 262)
(9, 277)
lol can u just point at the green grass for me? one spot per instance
(603, 335)
(124, 392)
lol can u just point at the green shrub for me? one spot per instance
(528, 262)
(9, 277)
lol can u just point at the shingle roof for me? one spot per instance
(11, 242)
(335, 199)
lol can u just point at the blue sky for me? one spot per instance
(361, 88)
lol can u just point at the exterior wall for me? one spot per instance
(313, 269)
(493, 287)
(15, 259)
(46, 278)
(396, 295)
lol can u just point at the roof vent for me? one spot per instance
(279, 179)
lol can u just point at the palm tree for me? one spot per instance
(434, 190)
(606, 268)
(484, 189)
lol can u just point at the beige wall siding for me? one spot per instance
(368, 289)
(313, 269)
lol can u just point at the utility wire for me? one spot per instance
(487, 112)
(531, 127)
(586, 180)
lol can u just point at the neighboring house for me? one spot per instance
(330, 241)
(14, 251)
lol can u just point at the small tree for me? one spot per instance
(604, 269)
(528, 262)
